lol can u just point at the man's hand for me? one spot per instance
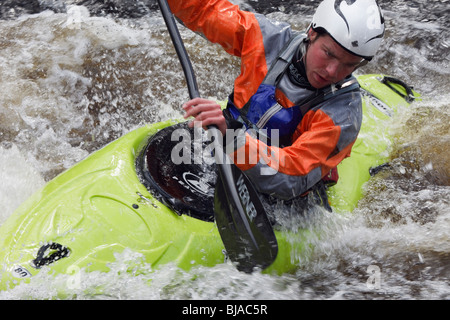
(206, 112)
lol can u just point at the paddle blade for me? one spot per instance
(243, 224)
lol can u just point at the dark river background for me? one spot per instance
(75, 75)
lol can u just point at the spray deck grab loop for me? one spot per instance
(409, 96)
(45, 257)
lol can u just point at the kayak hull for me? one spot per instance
(92, 212)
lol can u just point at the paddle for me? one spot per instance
(241, 219)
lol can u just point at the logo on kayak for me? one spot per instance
(20, 272)
(377, 103)
(197, 183)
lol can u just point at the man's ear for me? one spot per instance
(312, 35)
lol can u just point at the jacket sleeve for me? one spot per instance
(220, 22)
(323, 139)
(252, 37)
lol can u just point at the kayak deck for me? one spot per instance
(96, 209)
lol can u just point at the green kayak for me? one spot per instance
(108, 203)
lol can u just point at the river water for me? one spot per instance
(74, 78)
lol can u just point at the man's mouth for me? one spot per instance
(321, 80)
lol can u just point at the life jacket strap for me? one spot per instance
(280, 65)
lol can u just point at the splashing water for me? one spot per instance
(77, 77)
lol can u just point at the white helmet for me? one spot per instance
(357, 25)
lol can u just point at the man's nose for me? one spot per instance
(333, 69)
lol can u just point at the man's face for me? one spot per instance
(327, 62)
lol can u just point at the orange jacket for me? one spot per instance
(325, 134)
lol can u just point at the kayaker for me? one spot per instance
(298, 85)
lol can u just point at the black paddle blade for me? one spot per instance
(243, 224)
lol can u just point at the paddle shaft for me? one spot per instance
(180, 49)
(242, 221)
(194, 93)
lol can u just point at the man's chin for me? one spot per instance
(320, 85)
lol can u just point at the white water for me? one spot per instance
(71, 82)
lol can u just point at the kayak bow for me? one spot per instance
(88, 214)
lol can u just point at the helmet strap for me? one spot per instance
(363, 62)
